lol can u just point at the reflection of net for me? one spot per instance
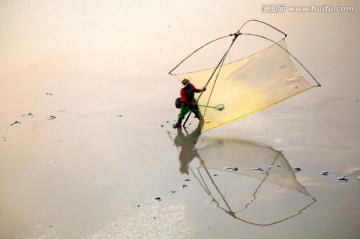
(246, 157)
(248, 85)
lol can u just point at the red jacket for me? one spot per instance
(187, 93)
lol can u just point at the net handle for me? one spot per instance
(219, 107)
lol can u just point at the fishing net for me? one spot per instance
(247, 85)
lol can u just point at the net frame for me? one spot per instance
(216, 71)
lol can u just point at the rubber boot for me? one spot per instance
(178, 124)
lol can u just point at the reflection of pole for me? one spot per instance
(213, 182)
(257, 189)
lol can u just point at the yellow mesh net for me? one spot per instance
(248, 85)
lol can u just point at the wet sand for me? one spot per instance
(98, 158)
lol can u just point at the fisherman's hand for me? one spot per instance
(204, 89)
(193, 104)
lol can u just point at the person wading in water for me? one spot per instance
(187, 94)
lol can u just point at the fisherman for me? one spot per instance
(189, 103)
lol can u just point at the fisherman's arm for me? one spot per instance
(198, 90)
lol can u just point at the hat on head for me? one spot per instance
(185, 82)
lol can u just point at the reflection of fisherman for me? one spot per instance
(187, 94)
(188, 151)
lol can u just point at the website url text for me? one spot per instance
(282, 8)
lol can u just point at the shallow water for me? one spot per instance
(95, 170)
